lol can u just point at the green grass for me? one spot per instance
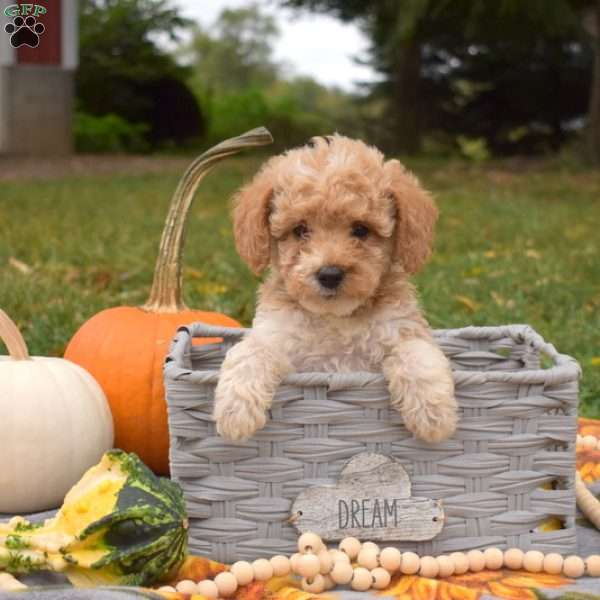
(515, 245)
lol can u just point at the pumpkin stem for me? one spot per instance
(12, 338)
(166, 292)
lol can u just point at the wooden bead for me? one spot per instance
(308, 565)
(553, 564)
(513, 558)
(313, 585)
(381, 578)
(208, 588)
(410, 563)
(494, 558)
(310, 542)
(390, 559)
(187, 586)
(226, 584)
(325, 561)
(476, 560)
(533, 561)
(592, 564)
(342, 572)
(243, 572)
(461, 562)
(445, 566)
(361, 579)
(368, 558)
(281, 565)
(294, 558)
(429, 567)
(573, 566)
(329, 583)
(262, 569)
(372, 545)
(339, 555)
(351, 546)
(589, 442)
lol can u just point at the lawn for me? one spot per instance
(517, 243)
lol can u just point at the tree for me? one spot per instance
(592, 23)
(397, 30)
(433, 52)
(124, 71)
(235, 53)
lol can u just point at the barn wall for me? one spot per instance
(37, 84)
(40, 105)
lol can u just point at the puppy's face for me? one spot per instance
(332, 218)
(332, 244)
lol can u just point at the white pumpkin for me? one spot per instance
(55, 423)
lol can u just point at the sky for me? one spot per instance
(316, 45)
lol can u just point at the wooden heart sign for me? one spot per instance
(371, 501)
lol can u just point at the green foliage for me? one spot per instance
(240, 85)
(108, 133)
(512, 247)
(475, 149)
(234, 53)
(123, 71)
(529, 64)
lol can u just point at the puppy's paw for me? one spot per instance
(430, 411)
(239, 424)
(237, 417)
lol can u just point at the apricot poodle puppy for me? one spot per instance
(342, 231)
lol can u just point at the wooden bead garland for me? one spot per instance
(208, 589)
(410, 563)
(390, 559)
(553, 564)
(533, 561)
(226, 584)
(476, 560)
(243, 571)
(263, 569)
(187, 586)
(322, 569)
(445, 566)
(513, 558)
(461, 562)
(429, 567)
(314, 585)
(281, 565)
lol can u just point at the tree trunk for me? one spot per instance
(406, 107)
(594, 111)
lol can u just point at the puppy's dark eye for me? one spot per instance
(360, 231)
(300, 231)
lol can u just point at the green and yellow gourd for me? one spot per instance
(120, 525)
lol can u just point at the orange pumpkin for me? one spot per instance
(124, 347)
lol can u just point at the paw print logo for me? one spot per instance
(24, 32)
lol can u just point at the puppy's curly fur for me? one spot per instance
(342, 230)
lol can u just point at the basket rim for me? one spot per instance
(565, 368)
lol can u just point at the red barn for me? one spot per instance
(38, 58)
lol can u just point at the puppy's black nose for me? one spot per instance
(330, 277)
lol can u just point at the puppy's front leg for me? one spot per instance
(249, 377)
(422, 388)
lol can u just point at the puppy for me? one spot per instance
(342, 231)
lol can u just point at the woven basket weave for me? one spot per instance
(515, 439)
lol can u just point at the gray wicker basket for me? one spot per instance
(515, 439)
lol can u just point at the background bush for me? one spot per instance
(108, 133)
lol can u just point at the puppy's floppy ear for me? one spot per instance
(251, 221)
(416, 215)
